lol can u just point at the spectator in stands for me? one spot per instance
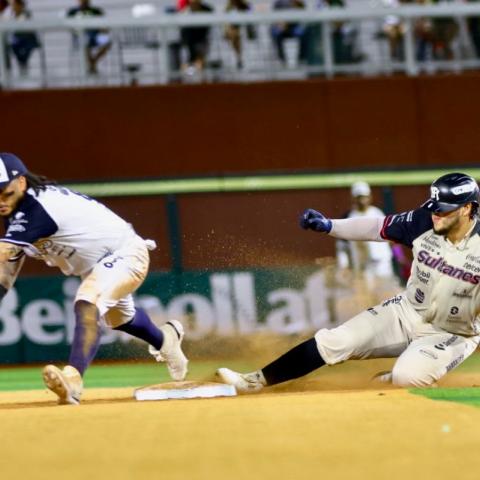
(21, 44)
(344, 37)
(3, 7)
(393, 29)
(435, 35)
(233, 32)
(97, 42)
(445, 30)
(281, 31)
(474, 29)
(195, 39)
(181, 5)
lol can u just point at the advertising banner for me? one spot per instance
(37, 321)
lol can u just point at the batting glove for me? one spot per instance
(313, 220)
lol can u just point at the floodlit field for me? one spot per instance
(333, 424)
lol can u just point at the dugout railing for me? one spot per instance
(148, 49)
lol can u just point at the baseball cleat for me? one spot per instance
(171, 351)
(67, 384)
(243, 382)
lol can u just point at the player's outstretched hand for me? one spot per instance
(313, 220)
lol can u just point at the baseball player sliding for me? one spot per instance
(433, 326)
(82, 237)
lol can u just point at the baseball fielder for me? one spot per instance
(82, 237)
(433, 326)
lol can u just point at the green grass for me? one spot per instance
(138, 374)
(466, 395)
(112, 375)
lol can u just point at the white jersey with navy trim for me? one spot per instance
(66, 229)
(444, 285)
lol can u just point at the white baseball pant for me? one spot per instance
(394, 329)
(110, 284)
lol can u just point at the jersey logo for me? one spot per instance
(455, 362)
(15, 228)
(46, 247)
(447, 343)
(429, 354)
(16, 224)
(434, 193)
(467, 188)
(392, 301)
(419, 296)
(439, 264)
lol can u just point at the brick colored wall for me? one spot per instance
(332, 125)
(210, 129)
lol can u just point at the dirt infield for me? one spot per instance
(324, 427)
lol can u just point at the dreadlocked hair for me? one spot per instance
(38, 182)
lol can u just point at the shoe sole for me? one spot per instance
(54, 381)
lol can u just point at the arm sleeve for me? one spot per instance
(360, 228)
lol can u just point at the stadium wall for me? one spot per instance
(231, 128)
(240, 230)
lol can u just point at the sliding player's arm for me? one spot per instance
(360, 228)
(399, 228)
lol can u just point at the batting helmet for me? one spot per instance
(451, 191)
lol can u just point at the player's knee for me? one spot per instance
(336, 345)
(406, 377)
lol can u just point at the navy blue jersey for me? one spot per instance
(405, 227)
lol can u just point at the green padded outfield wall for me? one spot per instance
(229, 128)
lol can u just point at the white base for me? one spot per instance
(176, 390)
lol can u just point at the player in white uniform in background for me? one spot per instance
(81, 237)
(369, 259)
(366, 266)
(433, 326)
